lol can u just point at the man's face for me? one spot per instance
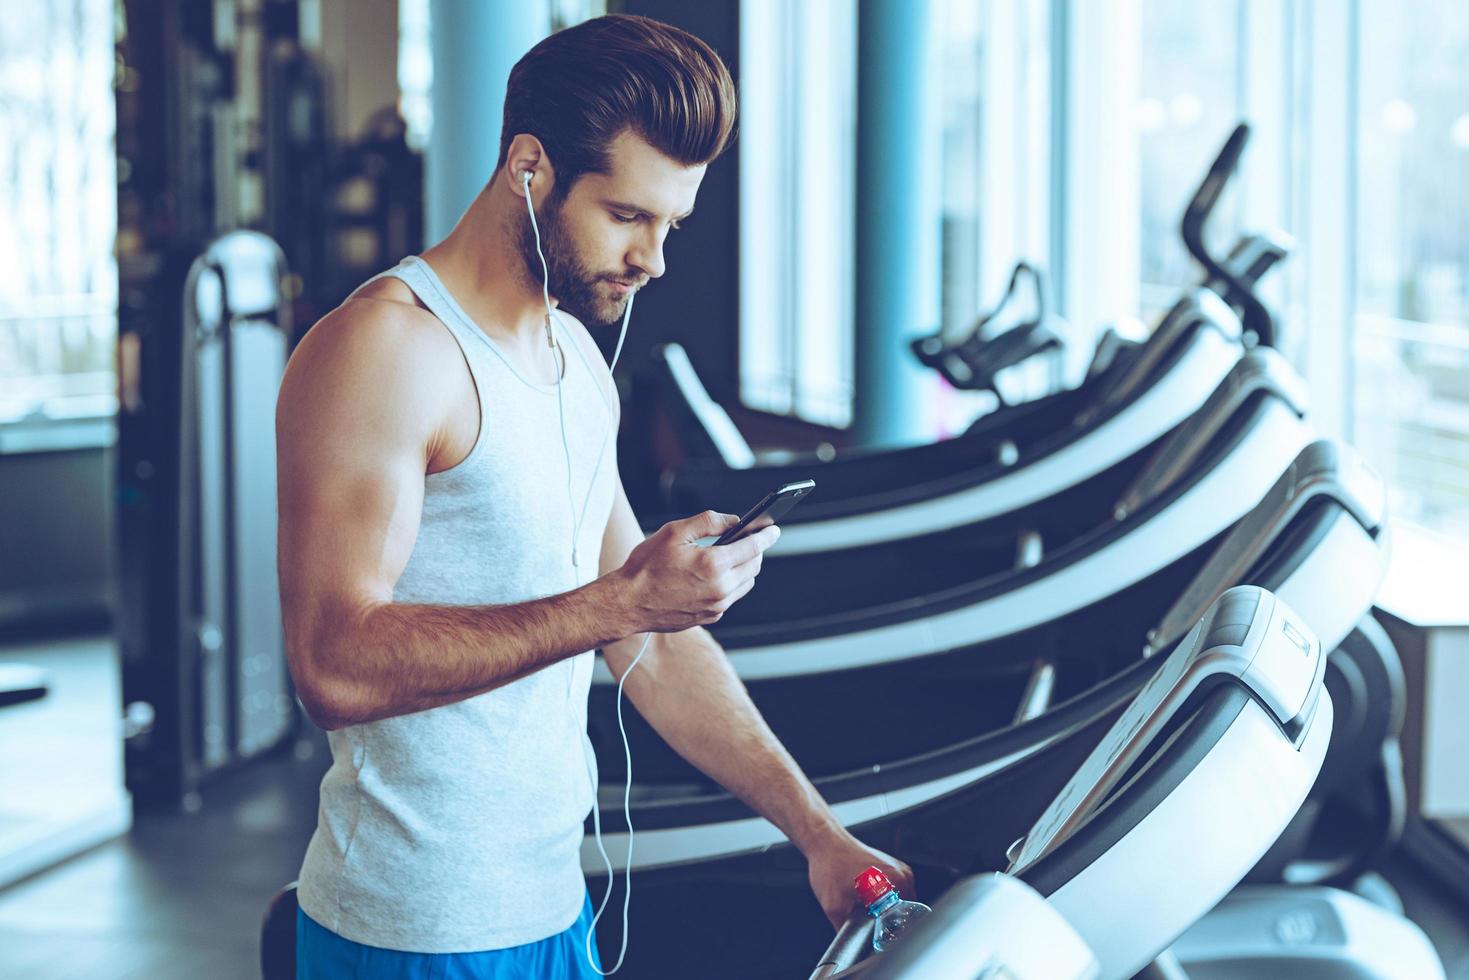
(604, 239)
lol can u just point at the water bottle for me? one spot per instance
(892, 913)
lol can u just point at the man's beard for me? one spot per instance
(569, 280)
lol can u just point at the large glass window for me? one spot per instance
(1189, 101)
(58, 194)
(1378, 312)
(415, 71)
(1154, 89)
(1411, 384)
(798, 94)
(995, 112)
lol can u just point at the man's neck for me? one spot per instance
(480, 264)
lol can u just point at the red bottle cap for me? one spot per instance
(872, 884)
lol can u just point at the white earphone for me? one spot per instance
(577, 517)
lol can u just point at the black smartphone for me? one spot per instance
(769, 510)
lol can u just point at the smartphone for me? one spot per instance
(769, 510)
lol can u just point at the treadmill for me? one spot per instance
(1014, 457)
(997, 919)
(901, 494)
(1210, 771)
(945, 652)
(1248, 430)
(1008, 460)
(1236, 704)
(695, 839)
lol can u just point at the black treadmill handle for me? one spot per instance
(1014, 346)
(1206, 198)
(22, 683)
(933, 350)
(848, 947)
(1256, 318)
(1022, 269)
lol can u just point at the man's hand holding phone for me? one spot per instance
(672, 583)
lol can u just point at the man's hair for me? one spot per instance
(581, 87)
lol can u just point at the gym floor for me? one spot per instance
(182, 895)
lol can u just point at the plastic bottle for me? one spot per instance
(893, 914)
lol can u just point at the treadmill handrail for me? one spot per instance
(847, 947)
(1254, 255)
(1262, 369)
(1277, 657)
(1324, 468)
(1199, 305)
(723, 434)
(1256, 317)
(1250, 258)
(20, 683)
(1206, 198)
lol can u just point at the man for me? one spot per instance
(437, 528)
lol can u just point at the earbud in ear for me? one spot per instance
(525, 176)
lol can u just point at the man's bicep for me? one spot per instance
(351, 444)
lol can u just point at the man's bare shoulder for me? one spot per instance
(381, 322)
(378, 355)
(388, 289)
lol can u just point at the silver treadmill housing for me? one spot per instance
(1134, 897)
(1199, 302)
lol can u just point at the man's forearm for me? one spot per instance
(390, 659)
(687, 690)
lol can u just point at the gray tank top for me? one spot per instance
(458, 828)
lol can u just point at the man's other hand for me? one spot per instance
(834, 866)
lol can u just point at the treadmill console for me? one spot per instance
(1248, 637)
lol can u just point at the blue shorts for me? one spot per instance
(323, 955)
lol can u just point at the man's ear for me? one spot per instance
(528, 156)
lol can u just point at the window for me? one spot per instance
(416, 59)
(995, 113)
(415, 72)
(1188, 103)
(797, 188)
(798, 179)
(1411, 386)
(1360, 150)
(1153, 89)
(58, 194)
